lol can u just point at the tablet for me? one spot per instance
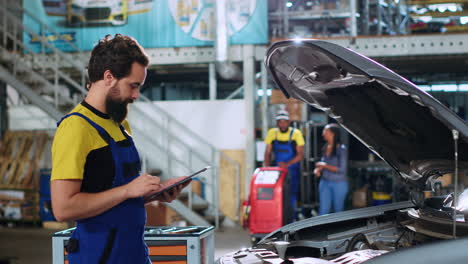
(184, 180)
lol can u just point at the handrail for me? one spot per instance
(213, 150)
(55, 50)
(167, 133)
(31, 63)
(43, 25)
(171, 155)
(144, 98)
(177, 122)
(80, 88)
(191, 133)
(209, 157)
(43, 80)
(48, 45)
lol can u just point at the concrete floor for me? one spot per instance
(34, 245)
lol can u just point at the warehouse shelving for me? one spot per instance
(439, 16)
(314, 19)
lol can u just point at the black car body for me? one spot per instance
(416, 135)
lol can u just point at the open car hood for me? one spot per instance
(402, 124)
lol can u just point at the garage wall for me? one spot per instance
(220, 122)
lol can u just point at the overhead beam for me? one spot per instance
(371, 46)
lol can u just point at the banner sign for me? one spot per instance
(154, 23)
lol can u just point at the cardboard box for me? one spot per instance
(293, 106)
(360, 197)
(158, 214)
(277, 97)
(29, 211)
(197, 187)
(295, 110)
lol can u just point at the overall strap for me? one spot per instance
(126, 135)
(291, 135)
(102, 132)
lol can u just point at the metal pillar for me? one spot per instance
(212, 81)
(379, 18)
(249, 99)
(406, 20)
(285, 19)
(398, 18)
(365, 18)
(222, 38)
(352, 7)
(264, 100)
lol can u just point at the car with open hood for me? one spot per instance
(415, 134)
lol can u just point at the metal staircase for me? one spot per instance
(58, 85)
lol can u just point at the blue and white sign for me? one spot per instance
(154, 23)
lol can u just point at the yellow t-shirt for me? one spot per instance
(276, 134)
(79, 152)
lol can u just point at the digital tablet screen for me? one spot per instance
(167, 188)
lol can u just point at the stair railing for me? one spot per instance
(13, 43)
(14, 36)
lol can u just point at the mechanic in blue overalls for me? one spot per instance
(287, 145)
(96, 178)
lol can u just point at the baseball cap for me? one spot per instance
(282, 115)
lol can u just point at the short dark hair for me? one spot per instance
(116, 54)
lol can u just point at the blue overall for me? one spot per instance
(115, 236)
(284, 152)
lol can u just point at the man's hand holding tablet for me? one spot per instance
(170, 189)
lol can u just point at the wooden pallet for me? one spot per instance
(20, 155)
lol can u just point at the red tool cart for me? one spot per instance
(268, 208)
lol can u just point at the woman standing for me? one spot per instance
(332, 168)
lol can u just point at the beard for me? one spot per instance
(116, 108)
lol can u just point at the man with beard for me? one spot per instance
(96, 179)
(287, 145)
